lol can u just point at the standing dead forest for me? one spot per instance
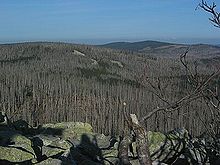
(55, 82)
(45, 82)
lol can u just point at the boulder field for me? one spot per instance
(73, 143)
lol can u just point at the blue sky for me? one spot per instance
(101, 21)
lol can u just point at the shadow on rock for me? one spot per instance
(20, 143)
(26, 129)
(37, 145)
(87, 152)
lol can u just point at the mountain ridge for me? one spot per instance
(147, 48)
(166, 49)
(135, 45)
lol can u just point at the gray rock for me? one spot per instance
(52, 151)
(50, 161)
(21, 126)
(67, 129)
(170, 146)
(47, 139)
(13, 154)
(195, 151)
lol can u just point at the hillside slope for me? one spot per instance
(57, 82)
(163, 49)
(135, 46)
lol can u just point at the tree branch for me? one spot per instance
(215, 19)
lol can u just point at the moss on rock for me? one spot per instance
(14, 155)
(50, 161)
(69, 129)
(156, 139)
(51, 151)
(23, 142)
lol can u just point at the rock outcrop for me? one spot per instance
(76, 143)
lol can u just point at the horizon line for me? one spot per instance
(104, 42)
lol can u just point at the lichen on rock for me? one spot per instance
(13, 154)
(156, 140)
(68, 129)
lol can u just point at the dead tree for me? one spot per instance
(201, 89)
(215, 19)
(141, 140)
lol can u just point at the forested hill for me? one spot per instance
(164, 49)
(136, 46)
(56, 82)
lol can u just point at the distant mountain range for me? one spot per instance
(164, 49)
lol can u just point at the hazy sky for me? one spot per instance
(97, 21)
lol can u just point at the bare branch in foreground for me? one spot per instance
(215, 19)
(198, 92)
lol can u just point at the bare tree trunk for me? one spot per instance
(123, 150)
(141, 140)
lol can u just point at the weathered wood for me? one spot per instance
(141, 141)
(123, 150)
